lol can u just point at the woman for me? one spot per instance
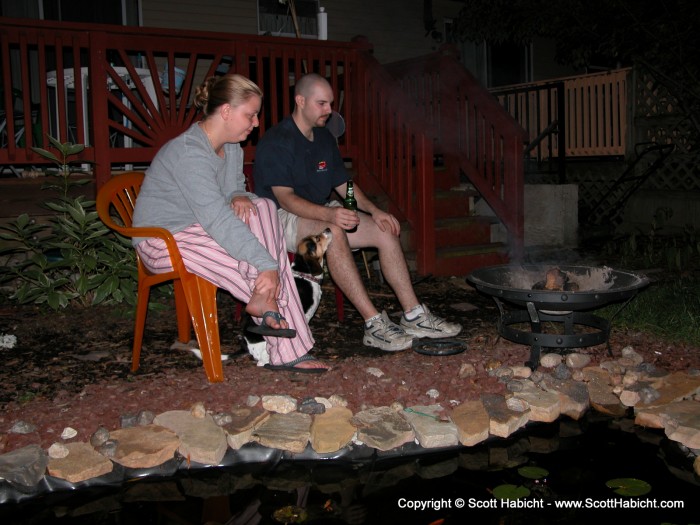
(195, 188)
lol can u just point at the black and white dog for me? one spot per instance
(307, 270)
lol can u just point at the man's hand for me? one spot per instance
(385, 221)
(346, 219)
(243, 207)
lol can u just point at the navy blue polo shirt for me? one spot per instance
(285, 157)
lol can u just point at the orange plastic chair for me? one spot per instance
(195, 298)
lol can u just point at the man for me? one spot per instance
(298, 165)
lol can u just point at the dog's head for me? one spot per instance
(311, 250)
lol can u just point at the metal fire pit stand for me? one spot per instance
(566, 309)
(537, 339)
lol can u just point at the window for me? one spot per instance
(275, 18)
(509, 63)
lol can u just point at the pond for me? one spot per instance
(572, 462)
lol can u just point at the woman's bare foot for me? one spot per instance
(259, 304)
(306, 364)
(313, 364)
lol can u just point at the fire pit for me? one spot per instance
(525, 294)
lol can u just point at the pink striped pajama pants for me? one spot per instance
(206, 258)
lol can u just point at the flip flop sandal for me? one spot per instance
(266, 330)
(291, 366)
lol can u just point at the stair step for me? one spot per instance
(453, 203)
(443, 179)
(464, 241)
(463, 231)
(456, 232)
(462, 261)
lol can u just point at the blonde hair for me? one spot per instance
(231, 89)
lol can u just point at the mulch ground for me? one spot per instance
(72, 368)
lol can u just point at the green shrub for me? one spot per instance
(73, 260)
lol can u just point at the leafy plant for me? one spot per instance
(75, 258)
(65, 170)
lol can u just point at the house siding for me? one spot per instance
(227, 16)
(394, 27)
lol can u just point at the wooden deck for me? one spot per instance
(18, 196)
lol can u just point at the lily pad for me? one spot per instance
(629, 486)
(290, 514)
(533, 472)
(511, 492)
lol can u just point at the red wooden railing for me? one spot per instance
(472, 132)
(395, 155)
(111, 95)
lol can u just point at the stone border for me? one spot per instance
(320, 428)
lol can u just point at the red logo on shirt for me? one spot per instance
(322, 165)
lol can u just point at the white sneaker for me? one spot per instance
(385, 335)
(429, 325)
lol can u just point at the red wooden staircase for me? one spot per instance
(432, 108)
(463, 240)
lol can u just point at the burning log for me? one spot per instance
(556, 280)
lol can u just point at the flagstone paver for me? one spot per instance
(502, 420)
(603, 399)
(680, 421)
(431, 431)
(144, 446)
(24, 467)
(201, 439)
(332, 430)
(673, 387)
(472, 421)
(285, 432)
(544, 406)
(82, 463)
(244, 420)
(382, 428)
(573, 396)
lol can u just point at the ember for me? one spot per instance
(578, 278)
(555, 279)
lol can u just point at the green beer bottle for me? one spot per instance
(349, 203)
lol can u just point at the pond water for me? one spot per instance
(410, 486)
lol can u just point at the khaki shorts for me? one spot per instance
(289, 225)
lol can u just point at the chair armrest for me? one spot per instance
(152, 231)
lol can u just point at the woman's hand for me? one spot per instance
(268, 285)
(264, 298)
(243, 207)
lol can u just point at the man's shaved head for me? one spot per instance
(307, 83)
